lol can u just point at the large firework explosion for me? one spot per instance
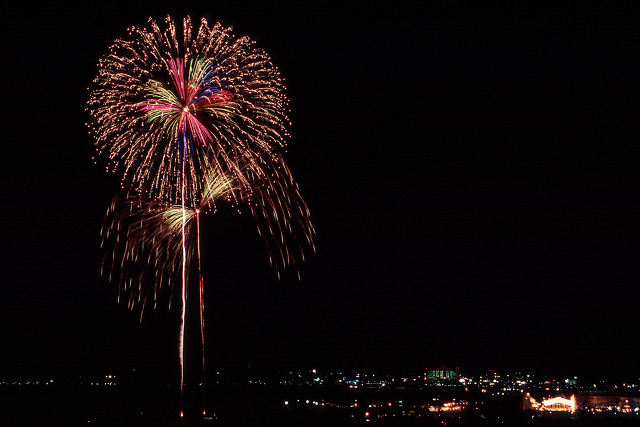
(206, 96)
(190, 121)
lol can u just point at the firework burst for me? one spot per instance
(168, 112)
(207, 97)
(145, 241)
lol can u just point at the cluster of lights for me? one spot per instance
(27, 382)
(448, 407)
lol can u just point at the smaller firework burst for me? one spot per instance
(147, 240)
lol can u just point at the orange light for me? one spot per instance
(181, 414)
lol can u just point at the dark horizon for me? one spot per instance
(471, 174)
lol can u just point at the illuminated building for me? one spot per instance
(607, 401)
(442, 374)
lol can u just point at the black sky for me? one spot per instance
(472, 176)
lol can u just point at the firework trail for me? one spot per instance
(189, 122)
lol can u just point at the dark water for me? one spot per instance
(115, 406)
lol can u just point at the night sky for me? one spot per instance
(472, 175)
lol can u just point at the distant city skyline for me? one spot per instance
(314, 394)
